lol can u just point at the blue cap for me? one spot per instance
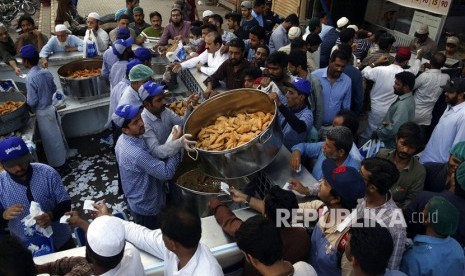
(346, 181)
(119, 13)
(121, 45)
(12, 148)
(123, 33)
(125, 112)
(29, 51)
(302, 86)
(150, 89)
(142, 54)
(132, 63)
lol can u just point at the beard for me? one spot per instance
(63, 44)
(453, 101)
(234, 62)
(398, 92)
(177, 24)
(403, 155)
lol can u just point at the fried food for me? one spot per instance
(231, 132)
(9, 106)
(85, 73)
(179, 107)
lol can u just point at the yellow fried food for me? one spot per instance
(85, 73)
(9, 106)
(231, 132)
(179, 107)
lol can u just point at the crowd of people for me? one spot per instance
(394, 210)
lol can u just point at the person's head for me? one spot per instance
(233, 20)
(14, 156)
(26, 23)
(62, 33)
(348, 119)
(338, 143)
(403, 55)
(138, 15)
(294, 33)
(313, 42)
(452, 44)
(256, 36)
(123, 21)
(442, 216)
(379, 175)
(341, 186)
(422, 33)
(105, 243)
(438, 61)
(385, 41)
(155, 20)
(207, 28)
(93, 21)
(236, 51)
(128, 118)
(408, 140)
(131, 4)
(260, 241)
(369, 248)
(176, 16)
(216, 20)
(206, 15)
(314, 25)
(276, 63)
(297, 92)
(30, 56)
(268, 6)
(404, 83)
(250, 75)
(456, 157)
(454, 91)
(153, 97)
(259, 6)
(323, 17)
(3, 33)
(278, 198)
(213, 42)
(15, 258)
(291, 21)
(246, 9)
(459, 189)
(139, 74)
(122, 49)
(337, 63)
(261, 54)
(181, 228)
(347, 36)
(299, 44)
(347, 49)
(144, 55)
(342, 23)
(297, 62)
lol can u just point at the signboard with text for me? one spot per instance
(434, 6)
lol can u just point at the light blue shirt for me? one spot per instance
(115, 95)
(109, 58)
(250, 52)
(259, 18)
(315, 151)
(142, 175)
(47, 189)
(433, 256)
(449, 131)
(278, 39)
(40, 88)
(118, 72)
(53, 46)
(336, 96)
(292, 137)
(324, 30)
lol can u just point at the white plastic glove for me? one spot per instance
(188, 144)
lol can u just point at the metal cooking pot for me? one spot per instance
(199, 200)
(248, 158)
(83, 87)
(17, 119)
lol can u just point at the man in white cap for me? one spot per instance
(423, 42)
(96, 39)
(330, 40)
(63, 41)
(452, 47)
(279, 36)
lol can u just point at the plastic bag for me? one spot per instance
(91, 49)
(179, 54)
(371, 148)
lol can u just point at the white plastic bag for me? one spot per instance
(371, 148)
(177, 55)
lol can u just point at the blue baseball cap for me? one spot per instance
(142, 54)
(346, 181)
(150, 89)
(28, 51)
(123, 33)
(12, 147)
(119, 12)
(132, 63)
(125, 112)
(121, 45)
(302, 86)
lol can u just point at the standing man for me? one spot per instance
(138, 75)
(155, 30)
(139, 23)
(423, 42)
(23, 182)
(142, 175)
(95, 36)
(40, 88)
(130, 5)
(257, 12)
(451, 127)
(177, 29)
(330, 39)
(337, 87)
(279, 36)
(29, 35)
(270, 19)
(400, 112)
(217, 20)
(122, 49)
(123, 23)
(355, 76)
(63, 41)
(248, 21)
(234, 24)
(256, 38)
(109, 57)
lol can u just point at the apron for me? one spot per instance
(323, 256)
(52, 136)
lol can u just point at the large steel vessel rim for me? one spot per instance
(88, 63)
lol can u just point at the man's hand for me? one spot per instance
(18, 71)
(274, 97)
(265, 81)
(187, 142)
(44, 220)
(198, 66)
(298, 187)
(176, 67)
(70, 49)
(192, 101)
(224, 49)
(44, 62)
(210, 93)
(420, 54)
(295, 160)
(14, 211)
(75, 219)
(237, 196)
(102, 209)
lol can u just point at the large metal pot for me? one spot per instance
(83, 87)
(199, 200)
(17, 119)
(248, 158)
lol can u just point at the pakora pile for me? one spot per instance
(231, 132)
(9, 106)
(85, 73)
(179, 107)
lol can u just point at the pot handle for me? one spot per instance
(196, 153)
(265, 136)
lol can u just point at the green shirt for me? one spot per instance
(151, 32)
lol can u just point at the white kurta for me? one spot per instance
(131, 263)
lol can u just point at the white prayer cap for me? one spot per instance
(94, 15)
(106, 236)
(61, 28)
(342, 22)
(207, 13)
